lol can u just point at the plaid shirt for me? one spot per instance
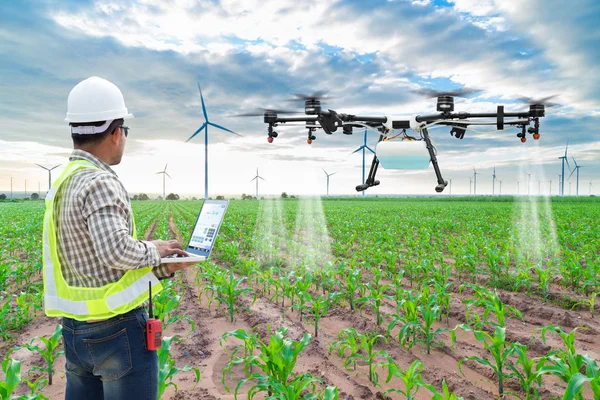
(94, 227)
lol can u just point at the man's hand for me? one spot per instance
(168, 247)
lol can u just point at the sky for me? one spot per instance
(370, 57)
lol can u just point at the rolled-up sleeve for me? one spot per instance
(106, 210)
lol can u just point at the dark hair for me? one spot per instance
(81, 140)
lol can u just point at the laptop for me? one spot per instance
(204, 234)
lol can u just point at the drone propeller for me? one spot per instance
(544, 100)
(259, 112)
(318, 95)
(429, 93)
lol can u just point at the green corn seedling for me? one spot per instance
(250, 343)
(445, 394)
(411, 378)
(361, 348)
(276, 361)
(12, 376)
(167, 369)
(318, 307)
(527, 370)
(350, 284)
(498, 348)
(49, 352)
(375, 299)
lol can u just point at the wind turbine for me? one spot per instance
(450, 186)
(564, 159)
(363, 148)
(205, 127)
(576, 169)
(590, 188)
(559, 182)
(328, 175)
(49, 173)
(470, 183)
(164, 174)
(518, 188)
(528, 183)
(256, 178)
(539, 187)
(500, 188)
(550, 188)
(475, 182)
(494, 181)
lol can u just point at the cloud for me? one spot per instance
(368, 55)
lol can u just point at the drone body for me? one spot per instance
(316, 117)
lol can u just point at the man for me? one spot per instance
(96, 272)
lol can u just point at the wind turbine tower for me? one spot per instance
(204, 127)
(257, 177)
(494, 181)
(164, 174)
(564, 159)
(328, 175)
(474, 182)
(500, 188)
(576, 169)
(470, 184)
(364, 147)
(528, 183)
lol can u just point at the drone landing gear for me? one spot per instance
(375, 164)
(441, 182)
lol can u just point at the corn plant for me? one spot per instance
(527, 371)
(227, 289)
(545, 276)
(445, 394)
(567, 364)
(375, 298)
(590, 302)
(167, 369)
(361, 347)
(35, 387)
(317, 307)
(276, 361)
(12, 373)
(497, 347)
(250, 342)
(350, 283)
(411, 378)
(409, 318)
(492, 305)
(166, 305)
(49, 352)
(578, 381)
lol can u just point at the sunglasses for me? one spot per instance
(125, 130)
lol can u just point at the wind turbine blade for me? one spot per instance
(333, 173)
(370, 149)
(225, 129)
(253, 178)
(168, 175)
(55, 167)
(161, 172)
(325, 171)
(571, 174)
(574, 161)
(202, 101)
(41, 166)
(262, 178)
(165, 170)
(197, 132)
(357, 150)
(567, 161)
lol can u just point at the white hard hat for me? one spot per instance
(96, 99)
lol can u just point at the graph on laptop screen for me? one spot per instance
(206, 229)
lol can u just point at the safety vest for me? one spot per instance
(83, 303)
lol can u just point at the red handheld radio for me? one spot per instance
(153, 327)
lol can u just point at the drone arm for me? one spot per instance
(371, 177)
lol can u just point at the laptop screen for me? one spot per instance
(207, 227)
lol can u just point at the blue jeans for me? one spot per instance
(109, 360)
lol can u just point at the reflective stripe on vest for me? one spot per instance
(82, 303)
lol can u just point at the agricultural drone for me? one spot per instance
(409, 149)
